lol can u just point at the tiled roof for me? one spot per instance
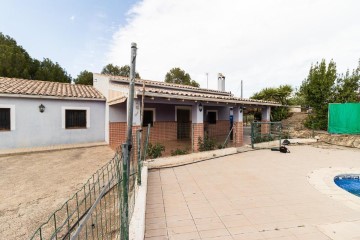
(211, 97)
(45, 88)
(168, 85)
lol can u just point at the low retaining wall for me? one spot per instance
(137, 222)
(188, 158)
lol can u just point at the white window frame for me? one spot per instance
(215, 111)
(183, 107)
(154, 113)
(63, 114)
(12, 115)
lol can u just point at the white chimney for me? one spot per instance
(221, 82)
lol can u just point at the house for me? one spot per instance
(178, 114)
(40, 113)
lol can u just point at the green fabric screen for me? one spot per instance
(344, 118)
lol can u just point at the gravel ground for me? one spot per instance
(35, 185)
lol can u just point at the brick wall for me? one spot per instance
(221, 128)
(117, 134)
(198, 132)
(239, 133)
(265, 128)
(162, 131)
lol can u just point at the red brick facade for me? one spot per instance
(220, 129)
(162, 131)
(265, 128)
(117, 134)
(198, 132)
(238, 133)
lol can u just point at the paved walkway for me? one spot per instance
(253, 195)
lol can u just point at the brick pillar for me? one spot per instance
(265, 128)
(265, 117)
(239, 133)
(198, 131)
(134, 141)
(117, 134)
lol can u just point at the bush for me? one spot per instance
(179, 152)
(206, 145)
(155, 151)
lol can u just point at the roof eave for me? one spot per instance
(215, 100)
(12, 95)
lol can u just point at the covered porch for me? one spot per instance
(178, 124)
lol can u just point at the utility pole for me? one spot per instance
(207, 80)
(126, 150)
(241, 89)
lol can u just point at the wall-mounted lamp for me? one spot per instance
(41, 108)
(200, 107)
(241, 109)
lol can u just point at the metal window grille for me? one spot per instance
(75, 118)
(4, 118)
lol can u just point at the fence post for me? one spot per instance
(252, 135)
(146, 141)
(192, 137)
(139, 163)
(124, 212)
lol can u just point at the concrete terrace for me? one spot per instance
(255, 195)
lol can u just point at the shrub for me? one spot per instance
(179, 152)
(155, 151)
(207, 144)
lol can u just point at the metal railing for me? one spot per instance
(266, 132)
(96, 211)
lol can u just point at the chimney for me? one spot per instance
(221, 82)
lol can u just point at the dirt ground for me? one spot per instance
(34, 185)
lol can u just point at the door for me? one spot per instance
(183, 123)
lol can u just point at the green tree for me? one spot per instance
(317, 90)
(14, 60)
(347, 87)
(115, 70)
(179, 76)
(85, 78)
(282, 95)
(49, 71)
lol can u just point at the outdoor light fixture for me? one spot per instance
(200, 107)
(42, 108)
(241, 109)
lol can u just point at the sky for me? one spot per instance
(264, 43)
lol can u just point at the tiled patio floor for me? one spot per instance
(253, 195)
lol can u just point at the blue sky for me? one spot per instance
(76, 33)
(264, 43)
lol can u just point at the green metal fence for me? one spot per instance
(266, 134)
(103, 207)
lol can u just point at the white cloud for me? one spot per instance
(72, 18)
(265, 43)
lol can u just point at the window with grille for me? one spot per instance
(148, 118)
(212, 117)
(4, 119)
(75, 118)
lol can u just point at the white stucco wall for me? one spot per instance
(34, 129)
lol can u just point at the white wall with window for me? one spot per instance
(62, 122)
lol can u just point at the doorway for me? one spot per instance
(183, 123)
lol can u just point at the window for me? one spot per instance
(5, 123)
(75, 118)
(211, 117)
(148, 118)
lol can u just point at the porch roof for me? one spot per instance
(184, 92)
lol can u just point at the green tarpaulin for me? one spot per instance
(344, 118)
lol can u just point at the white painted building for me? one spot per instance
(40, 113)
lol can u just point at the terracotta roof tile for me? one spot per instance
(45, 88)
